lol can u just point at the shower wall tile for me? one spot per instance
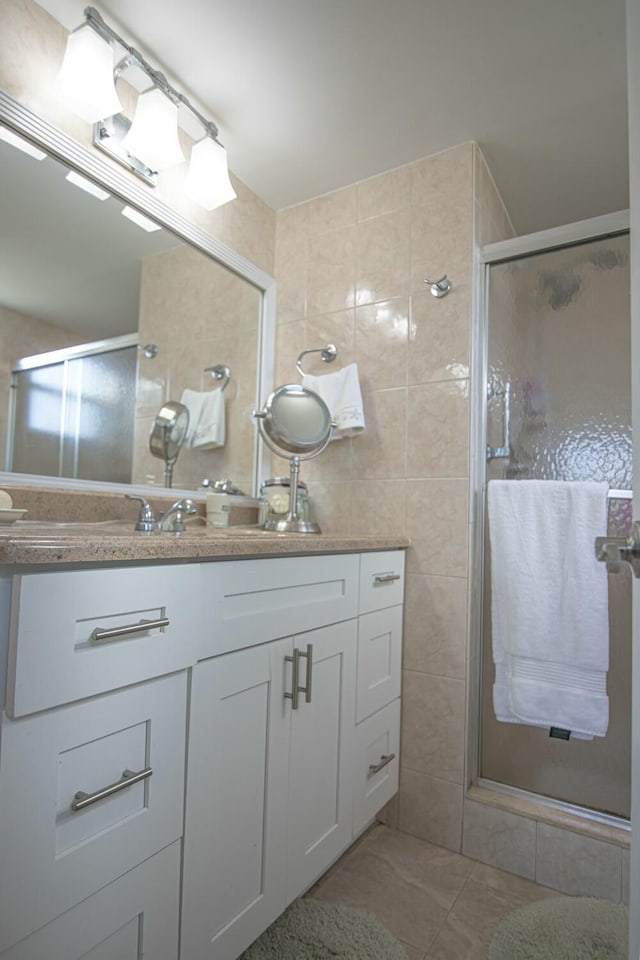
(290, 342)
(381, 343)
(578, 865)
(337, 328)
(433, 725)
(431, 809)
(381, 451)
(385, 193)
(331, 271)
(443, 179)
(437, 517)
(439, 413)
(439, 347)
(500, 839)
(382, 257)
(435, 625)
(436, 231)
(331, 211)
(377, 507)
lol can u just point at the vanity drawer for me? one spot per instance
(135, 916)
(376, 776)
(381, 580)
(379, 676)
(60, 651)
(53, 856)
(253, 601)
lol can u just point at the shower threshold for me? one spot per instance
(582, 820)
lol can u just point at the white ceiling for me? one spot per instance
(312, 95)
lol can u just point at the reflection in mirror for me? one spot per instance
(75, 271)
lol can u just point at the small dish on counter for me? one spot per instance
(10, 516)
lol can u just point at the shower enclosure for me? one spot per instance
(558, 407)
(72, 411)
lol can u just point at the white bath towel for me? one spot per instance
(549, 604)
(341, 393)
(206, 419)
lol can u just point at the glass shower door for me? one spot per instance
(559, 372)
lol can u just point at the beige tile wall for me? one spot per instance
(351, 268)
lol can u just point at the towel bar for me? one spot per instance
(328, 354)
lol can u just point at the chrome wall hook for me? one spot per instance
(440, 288)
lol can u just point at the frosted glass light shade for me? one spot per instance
(85, 82)
(208, 181)
(153, 135)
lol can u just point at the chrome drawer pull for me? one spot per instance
(309, 657)
(377, 767)
(82, 799)
(102, 636)
(295, 673)
(385, 577)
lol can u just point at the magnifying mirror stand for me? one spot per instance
(293, 523)
(168, 471)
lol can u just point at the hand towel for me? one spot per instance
(341, 393)
(549, 604)
(206, 419)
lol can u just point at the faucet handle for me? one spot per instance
(146, 520)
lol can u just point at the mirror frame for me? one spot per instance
(62, 147)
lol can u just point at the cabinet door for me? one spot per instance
(235, 831)
(135, 916)
(321, 756)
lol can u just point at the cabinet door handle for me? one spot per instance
(377, 767)
(309, 657)
(385, 578)
(295, 674)
(102, 636)
(82, 799)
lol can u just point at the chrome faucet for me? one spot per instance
(172, 521)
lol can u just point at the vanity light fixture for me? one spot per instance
(140, 220)
(150, 143)
(87, 185)
(20, 143)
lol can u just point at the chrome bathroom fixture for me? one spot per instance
(220, 372)
(439, 288)
(150, 142)
(167, 435)
(496, 453)
(614, 551)
(296, 425)
(171, 521)
(150, 350)
(327, 353)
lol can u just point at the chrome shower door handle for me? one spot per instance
(495, 453)
(615, 551)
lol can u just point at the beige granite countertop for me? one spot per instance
(29, 543)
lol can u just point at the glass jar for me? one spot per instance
(275, 493)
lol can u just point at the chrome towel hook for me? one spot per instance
(440, 288)
(327, 353)
(220, 372)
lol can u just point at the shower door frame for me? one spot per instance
(536, 243)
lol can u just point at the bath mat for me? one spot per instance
(315, 930)
(566, 928)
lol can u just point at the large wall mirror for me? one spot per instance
(105, 316)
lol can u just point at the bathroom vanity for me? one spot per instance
(194, 728)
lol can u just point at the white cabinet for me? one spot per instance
(268, 787)
(121, 682)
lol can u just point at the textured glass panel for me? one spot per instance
(75, 418)
(559, 335)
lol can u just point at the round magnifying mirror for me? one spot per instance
(297, 420)
(168, 433)
(295, 424)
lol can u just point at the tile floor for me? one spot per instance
(439, 904)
